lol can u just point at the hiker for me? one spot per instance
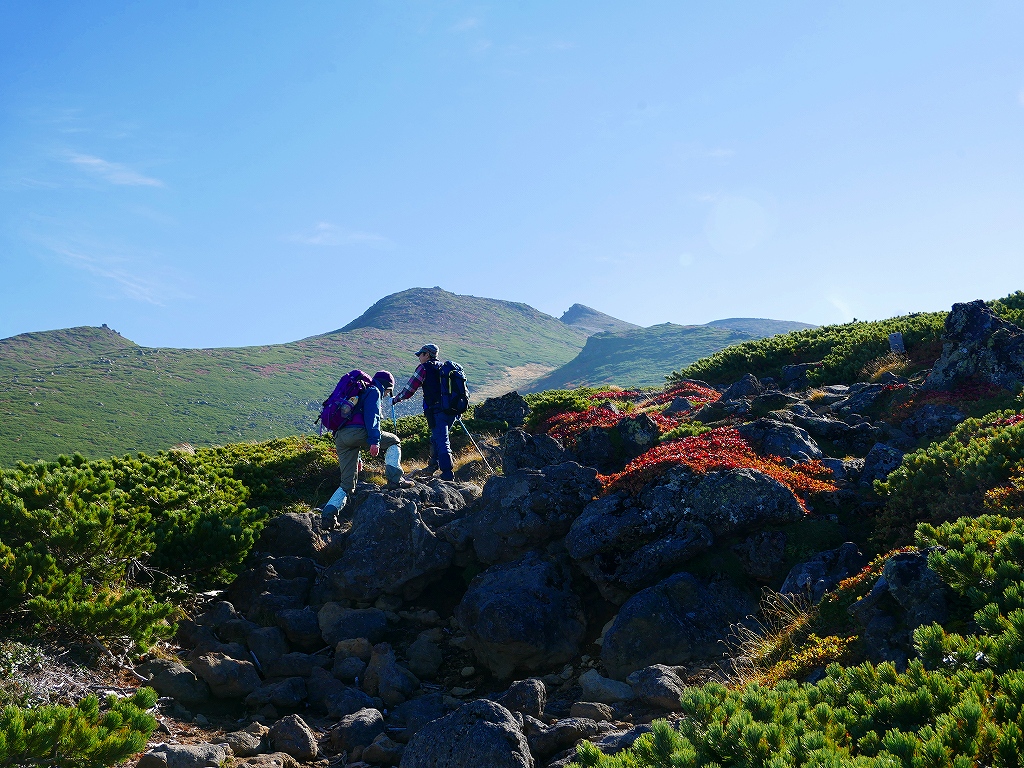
(363, 432)
(428, 375)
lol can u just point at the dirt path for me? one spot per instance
(512, 378)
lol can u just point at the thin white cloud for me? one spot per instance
(132, 286)
(466, 25)
(325, 233)
(115, 173)
(1020, 96)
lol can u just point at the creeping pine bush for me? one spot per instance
(85, 736)
(951, 478)
(91, 546)
(960, 704)
(545, 404)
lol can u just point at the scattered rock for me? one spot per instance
(880, 461)
(918, 589)
(412, 715)
(425, 657)
(637, 434)
(510, 408)
(547, 740)
(295, 664)
(528, 697)
(292, 736)
(860, 400)
(480, 733)
(267, 643)
(736, 500)
(247, 742)
(522, 615)
(228, 678)
(748, 386)
(933, 421)
(658, 686)
(338, 623)
(348, 668)
(677, 620)
(602, 689)
(357, 730)
(383, 751)
(593, 710)
(777, 438)
(286, 694)
(328, 694)
(386, 678)
(218, 613)
(292, 533)
(301, 628)
(978, 345)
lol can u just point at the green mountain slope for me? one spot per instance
(590, 320)
(760, 327)
(92, 391)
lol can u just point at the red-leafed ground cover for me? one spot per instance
(721, 448)
(695, 393)
(967, 393)
(1009, 421)
(570, 425)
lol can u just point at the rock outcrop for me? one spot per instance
(978, 345)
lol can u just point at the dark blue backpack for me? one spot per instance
(454, 390)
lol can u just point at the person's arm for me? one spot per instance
(413, 384)
(371, 418)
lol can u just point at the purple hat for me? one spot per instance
(385, 379)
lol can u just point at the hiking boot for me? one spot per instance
(448, 477)
(403, 483)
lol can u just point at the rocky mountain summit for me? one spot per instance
(576, 595)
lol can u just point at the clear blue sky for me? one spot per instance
(207, 174)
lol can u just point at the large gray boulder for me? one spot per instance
(511, 408)
(386, 678)
(675, 621)
(184, 756)
(228, 678)
(294, 737)
(522, 616)
(748, 386)
(292, 576)
(169, 678)
(287, 694)
(390, 550)
(624, 544)
(412, 715)
(301, 627)
(328, 694)
(978, 345)
(527, 697)
(357, 730)
(880, 461)
(521, 450)
(524, 510)
(658, 686)
(480, 733)
(637, 434)
(933, 421)
(339, 623)
(293, 533)
(736, 500)
(918, 589)
(777, 438)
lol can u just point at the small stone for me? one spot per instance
(602, 689)
(460, 692)
(468, 671)
(201, 720)
(593, 710)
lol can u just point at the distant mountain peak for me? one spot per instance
(590, 320)
(760, 326)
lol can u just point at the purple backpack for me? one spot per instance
(339, 407)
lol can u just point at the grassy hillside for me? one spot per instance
(590, 320)
(92, 391)
(639, 357)
(645, 356)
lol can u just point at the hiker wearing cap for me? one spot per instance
(428, 376)
(363, 432)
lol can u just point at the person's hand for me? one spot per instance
(395, 400)
(374, 450)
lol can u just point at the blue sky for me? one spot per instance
(209, 174)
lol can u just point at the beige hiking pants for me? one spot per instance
(349, 441)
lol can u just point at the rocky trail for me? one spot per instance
(575, 595)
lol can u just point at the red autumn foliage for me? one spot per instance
(695, 393)
(966, 393)
(569, 426)
(1009, 421)
(721, 448)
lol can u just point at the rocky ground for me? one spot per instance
(454, 624)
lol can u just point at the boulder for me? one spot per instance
(383, 751)
(216, 614)
(594, 448)
(521, 450)
(762, 554)
(680, 405)
(933, 421)
(480, 733)
(274, 760)
(592, 710)
(527, 697)
(797, 374)
(390, 550)
(602, 689)
(169, 678)
(328, 694)
(348, 668)
(676, 621)
(267, 644)
(301, 628)
(524, 510)
(339, 623)
(547, 740)
(624, 544)
(862, 397)
(295, 664)
(236, 630)
(777, 438)
(425, 657)
(293, 533)
(249, 741)
(267, 606)
(748, 386)
(658, 686)
(880, 461)
(289, 693)
(637, 434)
(510, 408)
(522, 616)
(184, 756)
(227, 677)
(978, 345)
(409, 717)
(736, 500)
(357, 730)
(264, 577)
(292, 736)
(918, 589)
(824, 571)
(386, 678)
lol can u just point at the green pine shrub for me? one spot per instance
(546, 404)
(84, 736)
(951, 478)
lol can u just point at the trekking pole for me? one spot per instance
(393, 417)
(486, 463)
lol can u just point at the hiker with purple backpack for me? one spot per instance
(352, 412)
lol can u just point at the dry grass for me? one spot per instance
(757, 649)
(891, 362)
